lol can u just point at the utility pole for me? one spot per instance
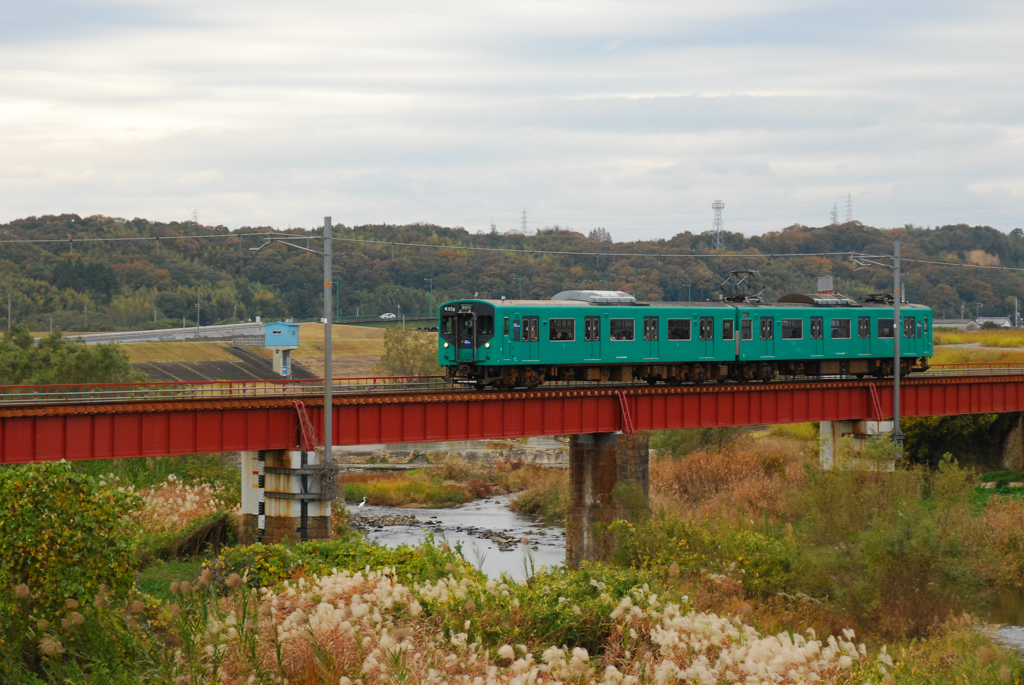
(197, 311)
(431, 294)
(689, 293)
(897, 432)
(520, 279)
(328, 347)
(154, 313)
(9, 311)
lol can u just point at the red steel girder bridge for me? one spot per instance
(40, 423)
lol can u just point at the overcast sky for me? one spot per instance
(630, 115)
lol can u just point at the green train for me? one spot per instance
(607, 336)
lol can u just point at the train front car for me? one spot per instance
(465, 336)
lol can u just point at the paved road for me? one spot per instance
(226, 332)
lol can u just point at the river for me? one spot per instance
(475, 526)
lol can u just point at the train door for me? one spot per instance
(506, 340)
(864, 335)
(592, 336)
(651, 336)
(768, 336)
(909, 342)
(707, 336)
(817, 336)
(531, 336)
(466, 339)
(746, 333)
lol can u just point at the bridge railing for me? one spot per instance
(97, 393)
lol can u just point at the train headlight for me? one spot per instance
(446, 344)
(487, 345)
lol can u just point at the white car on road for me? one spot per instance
(388, 316)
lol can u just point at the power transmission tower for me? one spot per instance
(849, 207)
(835, 215)
(494, 228)
(718, 206)
(523, 225)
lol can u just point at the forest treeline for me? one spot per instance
(157, 278)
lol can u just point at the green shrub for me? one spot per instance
(62, 537)
(763, 563)
(267, 565)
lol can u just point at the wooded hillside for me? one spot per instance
(125, 284)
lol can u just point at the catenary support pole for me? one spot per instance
(897, 334)
(328, 345)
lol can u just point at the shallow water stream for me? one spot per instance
(475, 525)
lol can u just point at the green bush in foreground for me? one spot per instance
(63, 538)
(268, 565)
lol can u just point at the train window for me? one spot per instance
(447, 325)
(515, 330)
(863, 326)
(678, 329)
(817, 328)
(707, 328)
(885, 328)
(746, 329)
(840, 329)
(563, 330)
(727, 329)
(909, 326)
(592, 328)
(531, 329)
(767, 329)
(926, 324)
(650, 328)
(506, 325)
(622, 329)
(485, 325)
(792, 329)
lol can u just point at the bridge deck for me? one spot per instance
(160, 419)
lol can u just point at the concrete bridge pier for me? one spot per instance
(608, 481)
(286, 495)
(859, 432)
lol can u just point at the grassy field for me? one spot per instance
(347, 341)
(967, 355)
(1003, 337)
(178, 352)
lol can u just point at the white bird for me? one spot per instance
(361, 504)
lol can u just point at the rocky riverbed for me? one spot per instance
(481, 527)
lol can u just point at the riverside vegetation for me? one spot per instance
(755, 566)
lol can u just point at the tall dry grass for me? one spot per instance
(751, 479)
(175, 504)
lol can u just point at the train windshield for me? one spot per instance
(447, 325)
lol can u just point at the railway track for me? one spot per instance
(114, 393)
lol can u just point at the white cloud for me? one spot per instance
(629, 115)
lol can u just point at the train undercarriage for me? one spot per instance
(679, 373)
